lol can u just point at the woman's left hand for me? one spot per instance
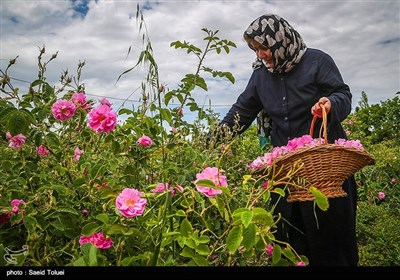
(316, 110)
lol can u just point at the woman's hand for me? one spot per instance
(316, 110)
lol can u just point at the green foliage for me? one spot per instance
(378, 236)
(66, 199)
(375, 123)
(377, 126)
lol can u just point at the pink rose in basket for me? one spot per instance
(293, 145)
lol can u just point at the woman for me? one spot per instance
(289, 84)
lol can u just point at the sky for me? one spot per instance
(363, 38)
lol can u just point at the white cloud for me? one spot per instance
(352, 32)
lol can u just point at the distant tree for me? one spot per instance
(375, 123)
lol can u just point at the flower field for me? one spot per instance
(78, 187)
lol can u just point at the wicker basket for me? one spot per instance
(325, 167)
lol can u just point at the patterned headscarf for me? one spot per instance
(281, 38)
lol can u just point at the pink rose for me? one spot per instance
(79, 98)
(97, 239)
(381, 195)
(102, 119)
(77, 154)
(16, 141)
(15, 203)
(105, 101)
(130, 203)
(42, 150)
(63, 109)
(269, 250)
(212, 174)
(144, 141)
(161, 187)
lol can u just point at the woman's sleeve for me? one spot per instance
(244, 111)
(331, 82)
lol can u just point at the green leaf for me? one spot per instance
(263, 217)
(6, 165)
(282, 262)
(17, 123)
(246, 217)
(36, 136)
(200, 82)
(172, 233)
(230, 77)
(103, 217)
(203, 239)
(202, 249)
(58, 225)
(289, 254)
(59, 188)
(200, 260)
(187, 252)
(68, 210)
(90, 228)
(98, 170)
(168, 96)
(279, 191)
(93, 256)
(30, 223)
(237, 215)
(36, 83)
(234, 239)
(52, 139)
(79, 182)
(191, 243)
(166, 114)
(320, 199)
(125, 111)
(80, 262)
(205, 183)
(6, 112)
(28, 115)
(116, 147)
(276, 254)
(249, 236)
(31, 166)
(16, 218)
(117, 229)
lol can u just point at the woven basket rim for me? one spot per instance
(361, 154)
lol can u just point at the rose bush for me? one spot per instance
(95, 191)
(80, 188)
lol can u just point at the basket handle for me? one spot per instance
(324, 125)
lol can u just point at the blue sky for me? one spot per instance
(363, 37)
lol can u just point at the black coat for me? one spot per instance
(287, 100)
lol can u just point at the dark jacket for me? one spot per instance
(287, 99)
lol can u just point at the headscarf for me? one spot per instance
(281, 38)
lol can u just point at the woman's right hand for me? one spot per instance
(316, 110)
